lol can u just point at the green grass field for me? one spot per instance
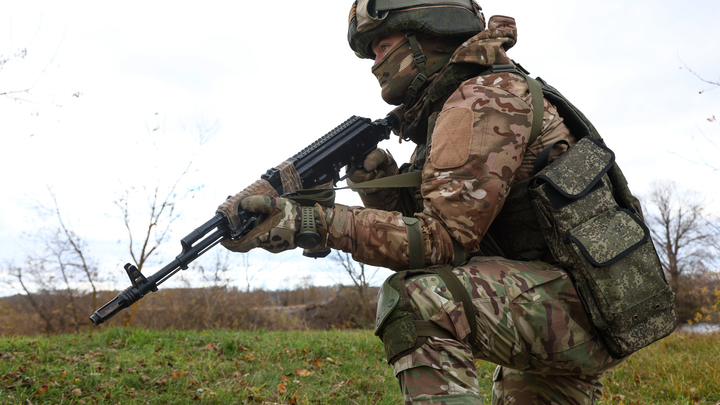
(135, 366)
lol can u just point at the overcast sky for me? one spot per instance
(119, 89)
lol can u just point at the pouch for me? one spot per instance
(605, 247)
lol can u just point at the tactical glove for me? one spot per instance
(379, 163)
(276, 233)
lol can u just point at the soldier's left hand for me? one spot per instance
(276, 233)
(378, 164)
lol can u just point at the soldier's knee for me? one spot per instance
(395, 320)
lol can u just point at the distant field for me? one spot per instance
(135, 366)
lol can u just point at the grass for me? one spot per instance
(680, 369)
(137, 366)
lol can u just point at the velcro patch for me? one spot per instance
(452, 138)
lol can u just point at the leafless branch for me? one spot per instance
(21, 54)
(702, 79)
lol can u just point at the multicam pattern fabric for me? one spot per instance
(513, 387)
(378, 164)
(489, 46)
(440, 372)
(229, 207)
(279, 228)
(379, 238)
(396, 71)
(530, 321)
(461, 202)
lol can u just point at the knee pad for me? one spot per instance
(396, 317)
(399, 324)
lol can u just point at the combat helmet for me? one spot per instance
(372, 19)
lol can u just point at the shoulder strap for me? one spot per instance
(535, 91)
(538, 107)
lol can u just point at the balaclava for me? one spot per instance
(397, 70)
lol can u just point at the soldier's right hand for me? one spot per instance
(379, 163)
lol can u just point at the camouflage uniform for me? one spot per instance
(530, 320)
(526, 315)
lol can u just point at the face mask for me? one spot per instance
(395, 73)
(397, 69)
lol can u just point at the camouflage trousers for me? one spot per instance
(530, 322)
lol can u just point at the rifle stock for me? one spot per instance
(320, 163)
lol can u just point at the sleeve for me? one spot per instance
(478, 145)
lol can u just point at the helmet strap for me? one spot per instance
(418, 55)
(423, 72)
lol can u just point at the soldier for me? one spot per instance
(462, 291)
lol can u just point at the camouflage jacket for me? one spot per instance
(478, 150)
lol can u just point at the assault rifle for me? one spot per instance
(320, 163)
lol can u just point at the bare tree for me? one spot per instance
(154, 230)
(44, 308)
(160, 215)
(57, 275)
(75, 247)
(148, 234)
(361, 276)
(684, 233)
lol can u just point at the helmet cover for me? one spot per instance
(373, 19)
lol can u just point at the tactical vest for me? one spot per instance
(515, 212)
(576, 212)
(515, 232)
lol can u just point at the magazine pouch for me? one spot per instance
(605, 247)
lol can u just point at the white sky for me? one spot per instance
(277, 75)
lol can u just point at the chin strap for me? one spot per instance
(423, 72)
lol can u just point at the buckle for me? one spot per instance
(418, 81)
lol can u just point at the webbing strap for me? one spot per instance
(535, 91)
(423, 72)
(459, 253)
(309, 197)
(411, 179)
(542, 158)
(537, 105)
(416, 252)
(458, 291)
(418, 55)
(427, 328)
